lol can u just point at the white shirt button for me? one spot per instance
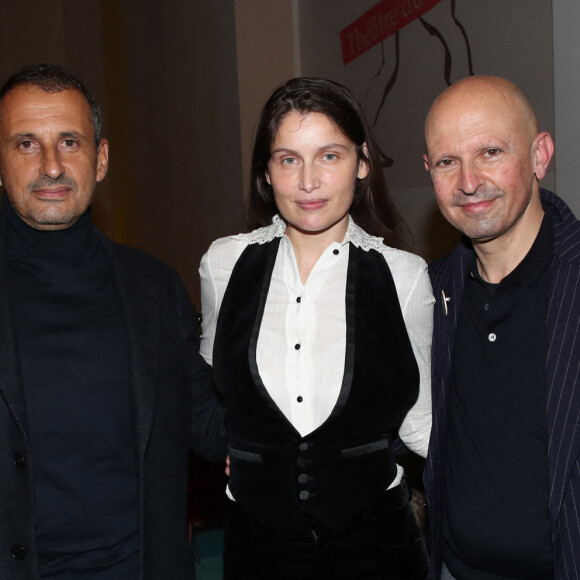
(491, 337)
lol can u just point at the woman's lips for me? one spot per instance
(308, 204)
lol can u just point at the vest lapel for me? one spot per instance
(242, 309)
(350, 296)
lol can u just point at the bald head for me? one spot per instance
(484, 94)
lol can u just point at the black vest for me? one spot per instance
(277, 475)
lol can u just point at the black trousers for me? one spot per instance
(383, 542)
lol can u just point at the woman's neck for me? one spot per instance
(309, 246)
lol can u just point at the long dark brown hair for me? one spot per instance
(372, 207)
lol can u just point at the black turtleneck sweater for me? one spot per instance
(72, 349)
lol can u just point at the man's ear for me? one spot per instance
(543, 150)
(426, 162)
(102, 159)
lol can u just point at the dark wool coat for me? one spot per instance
(174, 408)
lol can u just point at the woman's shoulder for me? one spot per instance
(408, 270)
(224, 252)
(393, 256)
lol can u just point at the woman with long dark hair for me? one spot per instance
(318, 326)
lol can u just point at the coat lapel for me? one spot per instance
(448, 289)
(10, 378)
(563, 371)
(447, 276)
(141, 310)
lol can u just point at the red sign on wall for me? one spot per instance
(378, 23)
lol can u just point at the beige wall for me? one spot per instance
(566, 16)
(167, 82)
(267, 56)
(182, 85)
(506, 38)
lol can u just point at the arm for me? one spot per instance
(208, 433)
(209, 307)
(215, 271)
(416, 298)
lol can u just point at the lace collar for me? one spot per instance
(354, 235)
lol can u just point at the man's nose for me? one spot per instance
(469, 179)
(51, 164)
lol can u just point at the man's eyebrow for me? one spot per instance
(18, 136)
(71, 134)
(62, 135)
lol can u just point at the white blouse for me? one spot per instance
(302, 340)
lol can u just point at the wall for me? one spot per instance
(167, 81)
(182, 87)
(505, 38)
(566, 16)
(38, 31)
(267, 53)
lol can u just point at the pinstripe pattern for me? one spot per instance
(563, 387)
